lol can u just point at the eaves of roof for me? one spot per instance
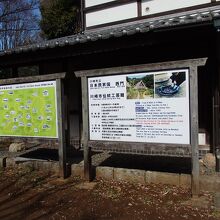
(142, 26)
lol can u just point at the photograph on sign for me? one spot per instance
(170, 85)
(151, 107)
(140, 87)
(29, 110)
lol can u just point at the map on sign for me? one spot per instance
(29, 110)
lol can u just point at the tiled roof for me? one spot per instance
(142, 26)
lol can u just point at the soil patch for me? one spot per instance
(28, 194)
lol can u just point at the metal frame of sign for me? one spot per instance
(126, 147)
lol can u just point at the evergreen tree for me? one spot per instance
(59, 18)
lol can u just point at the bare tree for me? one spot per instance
(18, 23)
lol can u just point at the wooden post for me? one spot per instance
(139, 5)
(216, 130)
(193, 65)
(61, 128)
(41, 68)
(85, 135)
(82, 16)
(67, 122)
(194, 129)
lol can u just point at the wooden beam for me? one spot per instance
(28, 139)
(85, 135)
(216, 102)
(142, 148)
(139, 8)
(61, 128)
(194, 129)
(83, 17)
(67, 120)
(30, 79)
(142, 67)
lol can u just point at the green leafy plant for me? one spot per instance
(59, 18)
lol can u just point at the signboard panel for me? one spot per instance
(29, 110)
(151, 107)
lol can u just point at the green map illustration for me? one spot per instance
(28, 112)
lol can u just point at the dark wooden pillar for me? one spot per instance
(41, 69)
(61, 128)
(14, 72)
(216, 101)
(139, 5)
(85, 136)
(82, 16)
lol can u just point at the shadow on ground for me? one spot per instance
(151, 163)
(142, 162)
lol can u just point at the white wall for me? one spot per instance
(111, 14)
(156, 6)
(126, 11)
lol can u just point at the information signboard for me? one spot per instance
(150, 107)
(29, 110)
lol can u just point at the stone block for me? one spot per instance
(10, 162)
(86, 185)
(148, 177)
(17, 147)
(129, 175)
(185, 180)
(207, 183)
(77, 170)
(38, 165)
(217, 201)
(164, 178)
(41, 165)
(217, 184)
(51, 167)
(106, 173)
(27, 165)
